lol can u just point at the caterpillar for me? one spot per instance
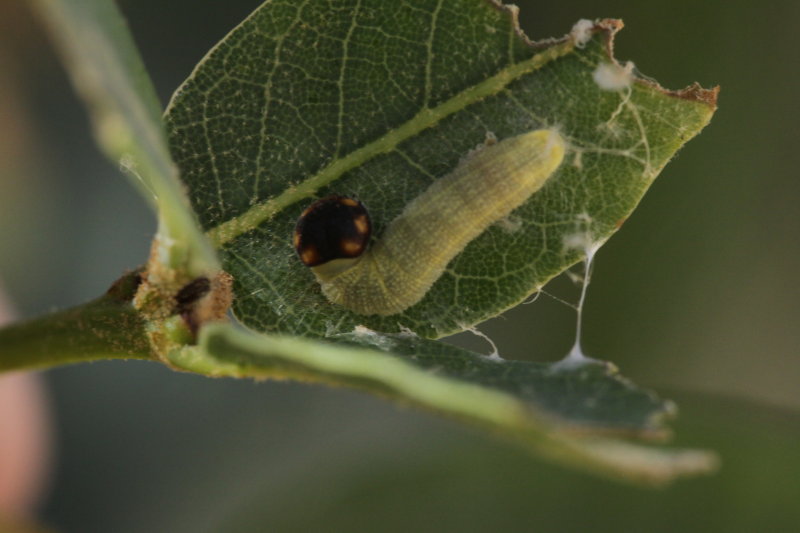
(332, 235)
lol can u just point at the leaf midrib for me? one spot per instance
(259, 213)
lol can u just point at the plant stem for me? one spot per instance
(106, 328)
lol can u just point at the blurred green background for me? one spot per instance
(695, 297)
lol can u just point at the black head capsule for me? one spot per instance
(334, 227)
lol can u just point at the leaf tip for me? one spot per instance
(696, 93)
(649, 466)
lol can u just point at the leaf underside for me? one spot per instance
(376, 100)
(590, 396)
(456, 384)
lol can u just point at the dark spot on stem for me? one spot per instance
(190, 293)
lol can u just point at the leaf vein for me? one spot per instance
(424, 119)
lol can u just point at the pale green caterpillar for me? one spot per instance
(402, 265)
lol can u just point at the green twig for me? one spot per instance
(106, 328)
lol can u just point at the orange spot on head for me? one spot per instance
(309, 255)
(296, 239)
(362, 224)
(351, 247)
(348, 202)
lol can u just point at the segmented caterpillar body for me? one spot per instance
(413, 252)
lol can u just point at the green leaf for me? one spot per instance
(106, 69)
(376, 100)
(508, 407)
(592, 396)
